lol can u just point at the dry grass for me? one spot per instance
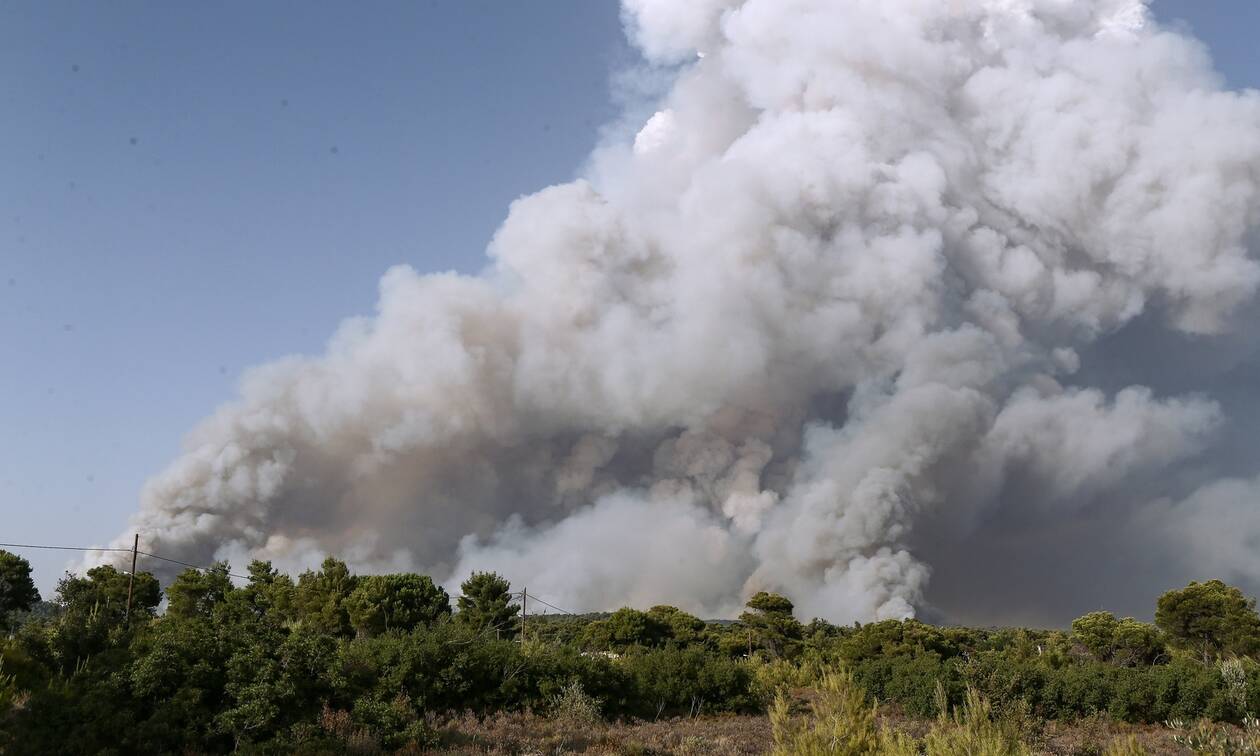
(533, 734)
(504, 734)
(1081, 738)
(1094, 736)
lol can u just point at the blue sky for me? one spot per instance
(190, 189)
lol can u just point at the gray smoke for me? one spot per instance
(885, 291)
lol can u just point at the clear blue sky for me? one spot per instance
(189, 189)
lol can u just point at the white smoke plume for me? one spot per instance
(843, 321)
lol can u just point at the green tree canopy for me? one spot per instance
(658, 627)
(92, 609)
(771, 625)
(268, 591)
(771, 604)
(485, 603)
(319, 599)
(682, 629)
(396, 602)
(623, 629)
(195, 593)
(1136, 642)
(1126, 642)
(17, 590)
(1210, 618)
(103, 590)
(1096, 631)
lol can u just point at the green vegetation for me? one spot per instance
(335, 663)
(1211, 619)
(842, 721)
(485, 605)
(17, 591)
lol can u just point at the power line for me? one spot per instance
(553, 606)
(198, 566)
(517, 594)
(194, 566)
(59, 548)
(127, 551)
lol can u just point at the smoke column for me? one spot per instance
(894, 306)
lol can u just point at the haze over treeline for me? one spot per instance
(900, 307)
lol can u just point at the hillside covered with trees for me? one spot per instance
(332, 662)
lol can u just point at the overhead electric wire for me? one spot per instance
(120, 551)
(533, 597)
(194, 566)
(198, 566)
(553, 606)
(59, 548)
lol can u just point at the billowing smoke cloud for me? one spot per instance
(844, 320)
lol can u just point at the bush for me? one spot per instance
(841, 721)
(575, 706)
(689, 681)
(911, 681)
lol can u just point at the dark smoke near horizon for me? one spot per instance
(894, 306)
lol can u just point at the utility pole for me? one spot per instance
(131, 580)
(524, 603)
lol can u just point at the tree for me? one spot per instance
(1136, 643)
(683, 629)
(319, 599)
(103, 592)
(485, 603)
(1096, 631)
(771, 604)
(1210, 618)
(623, 629)
(92, 608)
(1126, 642)
(268, 591)
(195, 593)
(396, 602)
(17, 590)
(771, 624)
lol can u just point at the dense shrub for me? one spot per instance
(1183, 689)
(335, 663)
(689, 681)
(911, 681)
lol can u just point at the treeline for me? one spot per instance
(333, 662)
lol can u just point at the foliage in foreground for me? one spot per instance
(1205, 737)
(335, 662)
(841, 721)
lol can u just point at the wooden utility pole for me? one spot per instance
(524, 603)
(131, 580)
